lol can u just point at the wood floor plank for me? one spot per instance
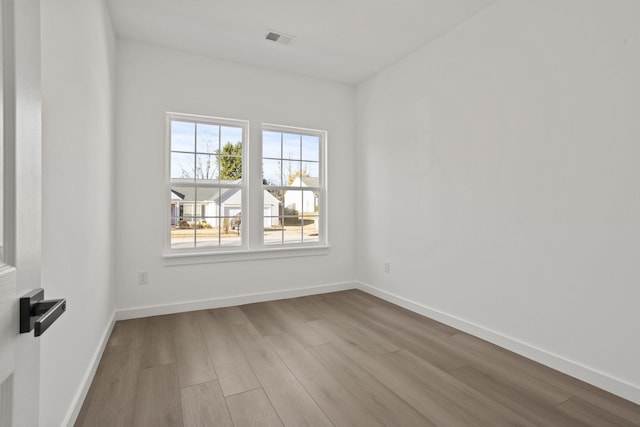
(230, 315)
(262, 319)
(452, 391)
(253, 409)
(375, 396)
(374, 301)
(275, 317)
(519, 402)
(420, 340)
(614, 404)
(432, 404)
(519, 379)
(289, 398)
(349, 326)
(115, 393)
(295, 325)
(233, 372)
(158, 398)
(204, 405)
(342, 408)
(158, 342)
(361, 299)
(84, 410)
(628, 411)
(126, 335)
(592, 415)
(305, 308)
(411, 322)
(192, 358)
(344, 358)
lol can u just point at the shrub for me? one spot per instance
(291, 212)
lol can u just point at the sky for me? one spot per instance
(283, 153)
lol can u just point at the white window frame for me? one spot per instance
(322, 184)
(243, 185)
(252, 244)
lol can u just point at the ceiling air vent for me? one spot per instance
(278, 37)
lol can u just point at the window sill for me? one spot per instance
(187, 258)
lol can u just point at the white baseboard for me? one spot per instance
(157, 310)
(81, 394)
(592, 376)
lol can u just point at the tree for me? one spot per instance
(293, 176)
(204, 169)
(230, 161)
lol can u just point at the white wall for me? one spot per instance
(153, 81)
(78, 83)
(498, 173)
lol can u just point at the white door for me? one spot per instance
(8, 307)
(8, 318)
(20, 174)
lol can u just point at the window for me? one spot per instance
(292, 177)
(218, 204)
(206, 184)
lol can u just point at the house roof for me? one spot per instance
(308, 181)
(187, 192)
(184, 189)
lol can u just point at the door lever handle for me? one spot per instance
(38, 314)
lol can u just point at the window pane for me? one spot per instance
(292, 230)
(206, 167)
(272, 216)
(272, 206)
(271, 145)
(229, 202)
(230, 221)
(271, 172)
(182, 136)
(182, 165)
(207, 233)
(310, 148)
(182, 194)
(273, 234)
(207, 138)
(182, 207)
(311, 173)
(308, 203)
(182, 238)
(290, 146)
(229, 235)
(292, 217)
(230, 168)
(231, 135)
(310, 216)
(206, 202)
(290, 171)
(310, 230)
(293, 203)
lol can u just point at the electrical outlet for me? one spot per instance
(387, 267)
(143, 278)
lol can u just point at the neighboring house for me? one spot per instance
(304, 200)
(211, 205)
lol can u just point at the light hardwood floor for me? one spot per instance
(339, 359)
